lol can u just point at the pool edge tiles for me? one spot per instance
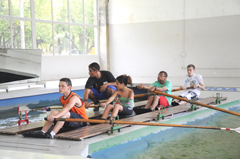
(136, 134)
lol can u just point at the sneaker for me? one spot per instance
(48, 135)
(174, 103)
(35, 134)
(96, 109)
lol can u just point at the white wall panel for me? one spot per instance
(56, 67)
(149, 36)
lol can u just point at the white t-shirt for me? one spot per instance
(195, 79)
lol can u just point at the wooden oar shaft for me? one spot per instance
(142, 95)
(198, 103)
(55, 107)
(93, 106)
(179, 89)
(102, 101)
(132, 123)
(135, 96)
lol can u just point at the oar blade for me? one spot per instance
(237, 129)
(22, 108)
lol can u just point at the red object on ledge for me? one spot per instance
(20, 117)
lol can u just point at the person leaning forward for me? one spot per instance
(163, 85)
(100, 85)
(73, 107)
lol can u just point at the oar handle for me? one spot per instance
(55, 119)
(94, 106)
(179, 89)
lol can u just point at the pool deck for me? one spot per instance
(12, 145)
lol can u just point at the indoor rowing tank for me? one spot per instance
(181, 142)
(135, 141)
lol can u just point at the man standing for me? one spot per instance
(100, 85)
(160, 85)
(190, 79)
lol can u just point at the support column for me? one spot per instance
(103, 35)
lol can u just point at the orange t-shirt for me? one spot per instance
(75, 109)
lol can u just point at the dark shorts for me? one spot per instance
(102, 95)
(74, 124)
(126, 111)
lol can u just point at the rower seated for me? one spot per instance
(190, 79)
(126, 97)
(162, 85)
(73, 107)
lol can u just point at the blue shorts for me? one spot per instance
(74, 124)
(102, 95)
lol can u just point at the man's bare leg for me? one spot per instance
(149, 102)
(155, 102)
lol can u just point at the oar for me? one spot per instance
(23, 108)
(180, 89)
(139, 123)
(198, 103)
(143, 95)
(102, 101)
(135, 96)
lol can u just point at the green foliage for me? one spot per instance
(89, 39)
(16, 8)
(76, 11)
(77, 38)
(60, 10)
(5, 34)
(64, 41)
(61, 39)
(44, 37)
(43, 9)
(4, 9)
(89, 12)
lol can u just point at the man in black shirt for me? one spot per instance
(100, 85)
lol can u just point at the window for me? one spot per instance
(5, 38)
(21, 8)
(76, 11)
(77, 40)
(4, 10)
(58, 27)
(43, 9)
(44, 39)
